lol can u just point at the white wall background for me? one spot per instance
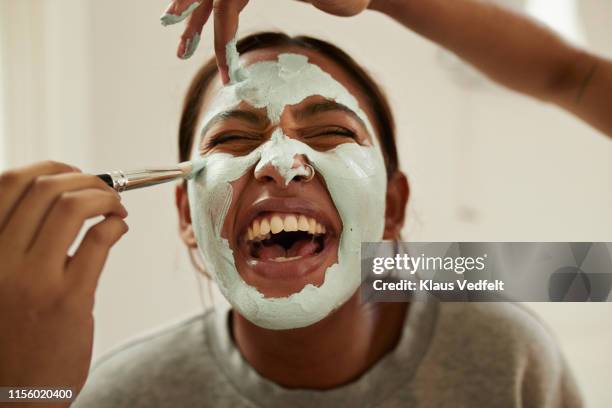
(96, 84)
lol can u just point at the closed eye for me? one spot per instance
(331, 131)
(223, 138)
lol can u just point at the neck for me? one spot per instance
(327, 354)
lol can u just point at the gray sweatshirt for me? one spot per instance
(449, 355)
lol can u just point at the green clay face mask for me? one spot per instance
(354, 175)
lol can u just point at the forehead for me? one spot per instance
(314, 57)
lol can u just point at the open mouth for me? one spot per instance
(283, 237)
(285, 243)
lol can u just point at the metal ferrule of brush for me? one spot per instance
(130, 180)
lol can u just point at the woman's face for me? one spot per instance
(285, 232)
(280, 263)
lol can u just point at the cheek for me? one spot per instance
(215, 189)
(356, 179)
(239, 194)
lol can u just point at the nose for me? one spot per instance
(300, 172)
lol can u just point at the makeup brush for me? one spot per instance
(130, 180)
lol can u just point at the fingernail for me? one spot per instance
(190, 45)
(75, 168)
(168, 19)
(181, 48)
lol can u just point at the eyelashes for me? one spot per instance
(223, 138)
(243, 139)
(332, 131)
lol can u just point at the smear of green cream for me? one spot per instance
(191, 45)
(168, 19)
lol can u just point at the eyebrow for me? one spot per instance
(325, 106)
(243, 115)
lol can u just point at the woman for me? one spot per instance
(384, 354)
(379, 354)
(360, 354)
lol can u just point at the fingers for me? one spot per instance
(226, 25)
(83, 270)
(14, 183)
(66, 218)
(36, 202)
(191, 36)
(225, 21)
(178, 10)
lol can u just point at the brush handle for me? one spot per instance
(122, 181)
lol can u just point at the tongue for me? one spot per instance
(268, 252)
(302, 247)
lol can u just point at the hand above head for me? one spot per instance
(226, 15)
(47, 296)
(508, 47)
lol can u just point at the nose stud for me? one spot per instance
(311, 172)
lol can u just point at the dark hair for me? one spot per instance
(376, 99)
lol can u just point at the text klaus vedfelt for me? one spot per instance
(412, 264)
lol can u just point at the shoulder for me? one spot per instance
(507, 342)
(143, 371)
(503, 321)
(503, 329)
(174, 340)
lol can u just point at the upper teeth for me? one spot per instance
(261, 227)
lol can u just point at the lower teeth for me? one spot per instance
(285, 259)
